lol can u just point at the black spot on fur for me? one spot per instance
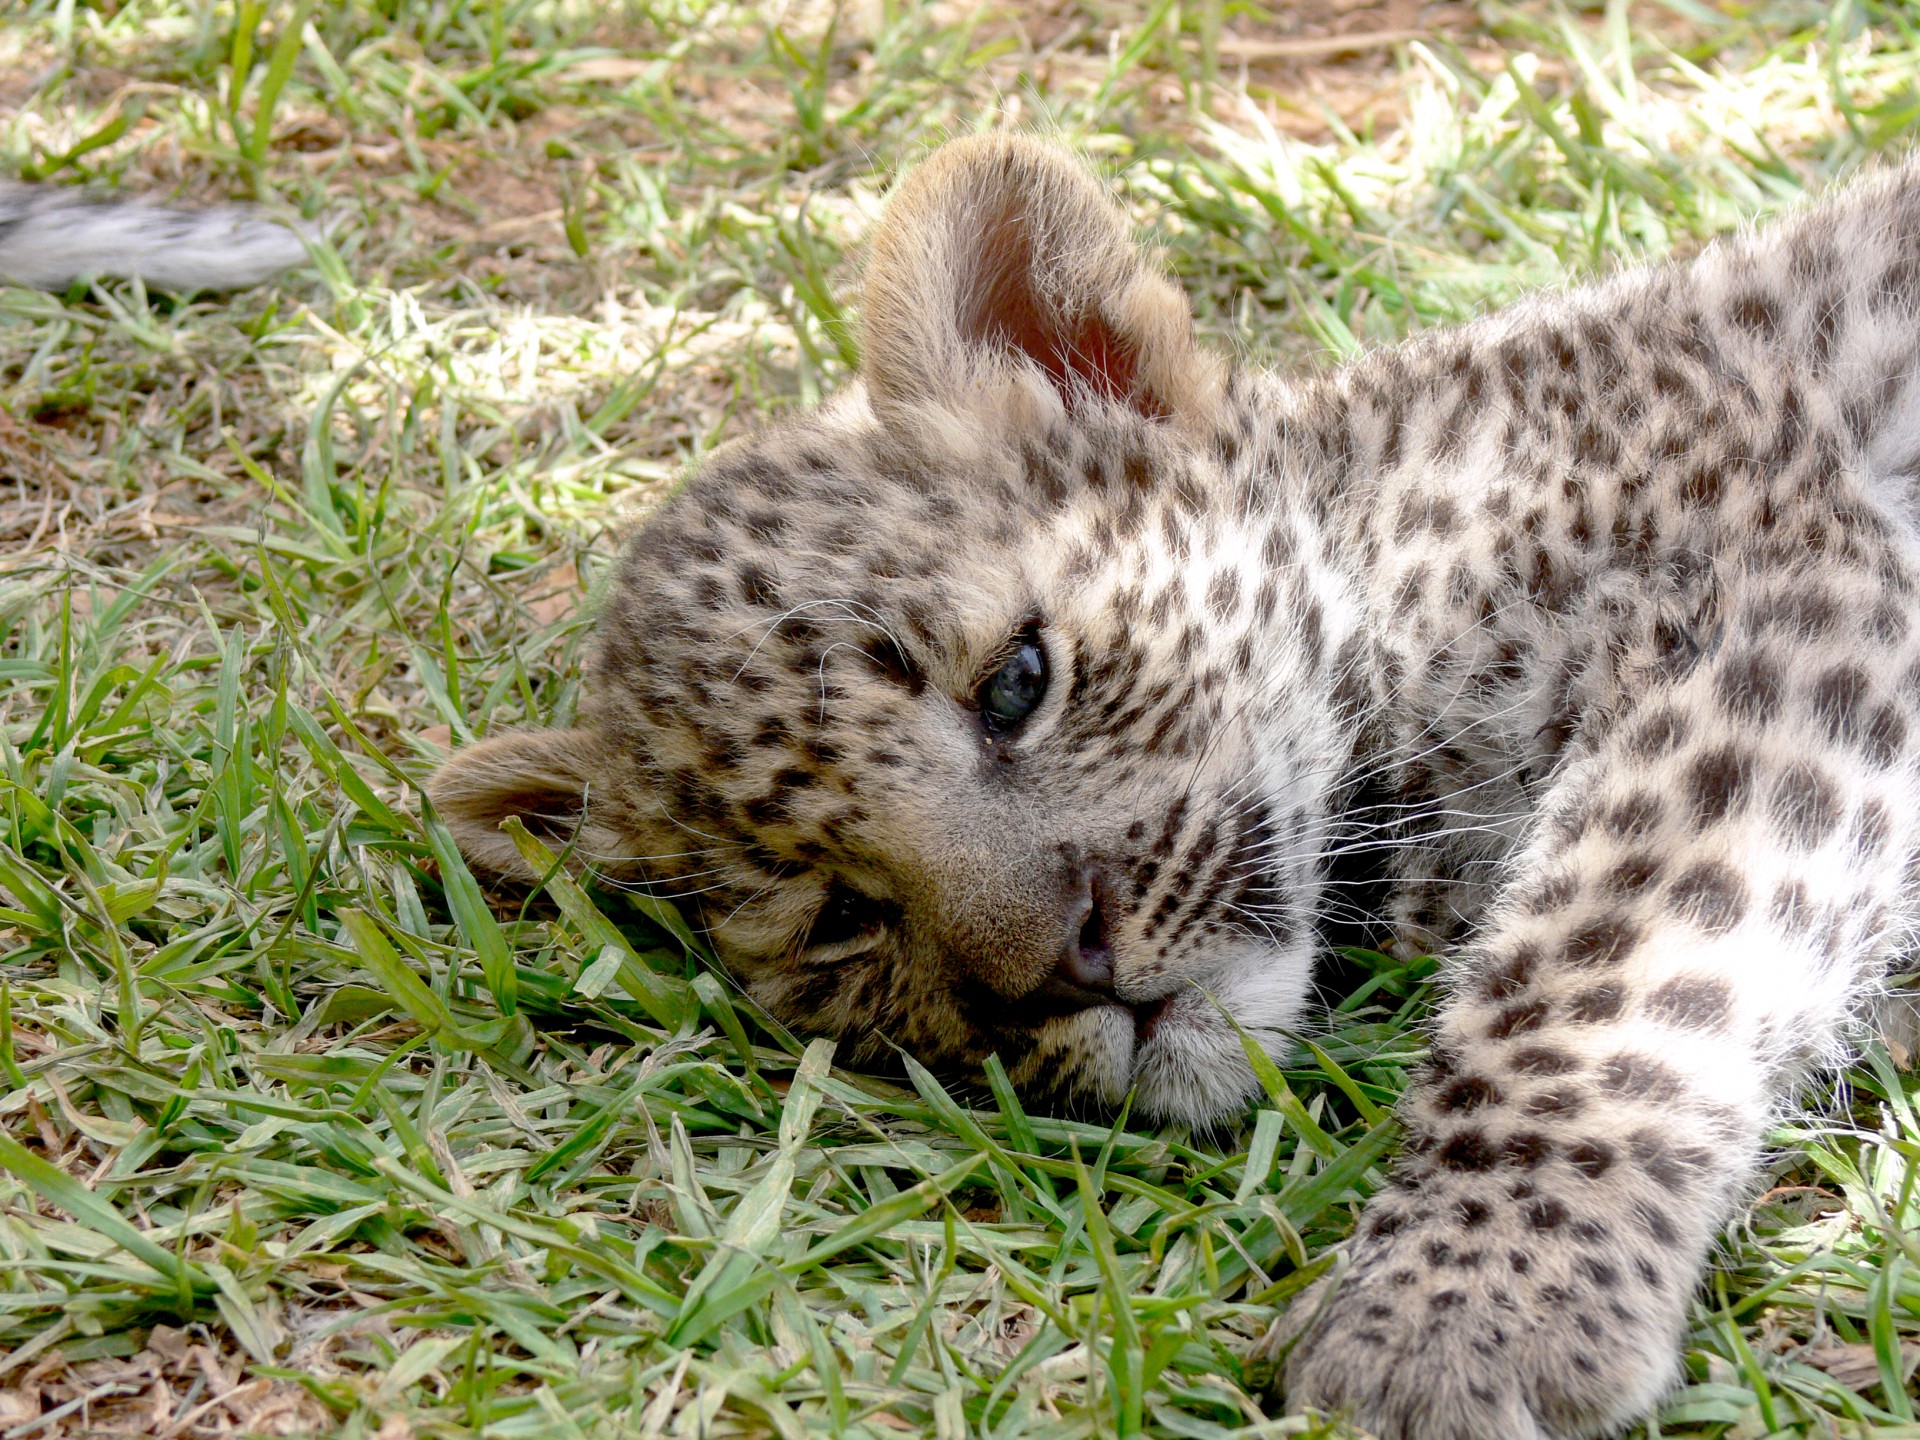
(1223, 594)
(1526, 1149)
(1711, 895)
(1632, 874)
(1634, 817)
(1546, 1214)
(1750, 687)
(1505, 979)
(1841, 695)
(1468, 1150)
(1717, 783)
(1695, 1002)
(1754, 311)
(1602, 944)
(1792, 909)
(1387, 1222)
(1515, 1019)
(1660, 733)
(1639, 1077)
(1467, 1094)
(1543, 1060)
(1597, 1004)
(1655, 1222)
(1882, 735)
(1805, 804)
(1598, 1271)
(1473, 1213)
(1871, 830)
(1565, 1102)
(1592, 1158)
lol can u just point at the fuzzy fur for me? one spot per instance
(1594, 620)
(51, 236)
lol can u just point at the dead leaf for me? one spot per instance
(1316, 47)
(169, 1344)
(610, 67)
(1854, 1366)
(555, 599)
(19, 1405)
(515, 227)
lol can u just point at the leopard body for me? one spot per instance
(1594, 619)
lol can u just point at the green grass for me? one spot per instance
(295, 1134)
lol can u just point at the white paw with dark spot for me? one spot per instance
(1407, 1346)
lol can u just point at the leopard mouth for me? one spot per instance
(1147, 1018)
(1086, 978)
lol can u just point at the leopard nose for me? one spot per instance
(1083, 975)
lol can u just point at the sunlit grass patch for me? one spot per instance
(297, 1133)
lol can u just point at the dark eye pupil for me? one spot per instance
(1014, 691)
(847, 915)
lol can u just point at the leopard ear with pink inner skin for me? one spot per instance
(999, 250)
(555, 781)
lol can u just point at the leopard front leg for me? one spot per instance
(1700, 908)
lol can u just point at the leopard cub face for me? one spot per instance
(975, 712)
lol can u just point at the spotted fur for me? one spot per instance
(1595, 618)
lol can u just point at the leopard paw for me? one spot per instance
(1490, 1332)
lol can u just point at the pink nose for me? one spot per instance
(1083, 975)
(1087, 960)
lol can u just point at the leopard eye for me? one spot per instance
(846, 918)
(1014, 691)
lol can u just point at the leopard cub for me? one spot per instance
(1022, 699)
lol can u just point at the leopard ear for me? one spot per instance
(555, 781)
(1003, 250)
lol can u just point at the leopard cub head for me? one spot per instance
(990, 706)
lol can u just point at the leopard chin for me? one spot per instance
(1183, 1056)
(1192, 1065)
